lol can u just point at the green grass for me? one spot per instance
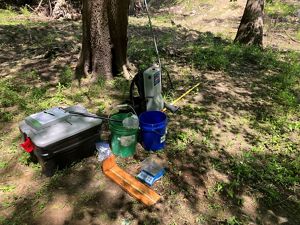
(25, 158)
(271, 166)
(212, 54)
(163, 19)
(233, 221)
(279, 8)
(10, 17)
(3, 164)
(13, 94)
(66, 77)
(7, 188)
(277, 173)
(141, 50)
(24, 10)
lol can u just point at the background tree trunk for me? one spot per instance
(104, 40)
(135, 7)
(250, 31)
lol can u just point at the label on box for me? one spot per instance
(163, 138)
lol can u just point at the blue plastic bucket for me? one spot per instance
(153, 126)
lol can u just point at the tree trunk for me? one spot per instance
(104, 40)
(250, 31)
(135, 7)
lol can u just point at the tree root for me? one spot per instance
(126, 73)
(81, 70)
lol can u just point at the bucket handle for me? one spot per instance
(155, 131)
(125, 106)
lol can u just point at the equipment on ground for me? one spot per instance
(149, 84)
(124, 135)
(182, 96)
(153, 127)
(128, 183)
(57, 138)
(149, 91)
(152, 170)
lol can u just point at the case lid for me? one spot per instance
(46, 118)
(62, 129)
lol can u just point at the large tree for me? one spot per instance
(104, 39)
(250, 31)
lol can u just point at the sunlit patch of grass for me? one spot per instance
(233, 221)
(192, 4)
(3, 164)
(9, 17)
(24, 10)
(7, 13)
(214, 54)
(6, 204)
(100, 108)
(7, 188)
(58, 98)
(279, 8)
(163, 20)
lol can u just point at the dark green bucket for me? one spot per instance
(123, 140)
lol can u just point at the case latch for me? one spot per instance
(28, 145)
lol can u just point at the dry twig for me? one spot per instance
(37, 8)
(50, 8)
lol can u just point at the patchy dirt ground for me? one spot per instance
(227, 158)
(222, 18)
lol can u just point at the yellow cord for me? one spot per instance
(183, 95)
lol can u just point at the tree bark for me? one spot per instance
(135, 7)
(104, 40)
(250, 31)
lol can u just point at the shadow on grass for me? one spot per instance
(163, 3)
(259, 86)
(29, 47)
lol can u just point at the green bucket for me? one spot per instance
(123, 140)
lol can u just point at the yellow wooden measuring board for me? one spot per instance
(128, 183)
